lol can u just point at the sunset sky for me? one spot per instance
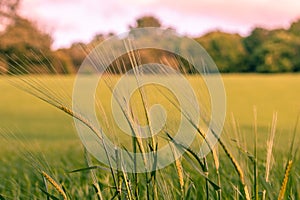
(80, 20)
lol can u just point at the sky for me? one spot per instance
(71, 21)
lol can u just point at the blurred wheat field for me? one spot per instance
(42, 128)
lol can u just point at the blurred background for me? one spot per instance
(241, 36)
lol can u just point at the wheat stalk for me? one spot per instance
(255, 168)
(237, 168)
(179, 169)
(217, 165)
(285, 180)
(54, 184)
(270, 143)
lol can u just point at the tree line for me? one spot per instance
(263, 50)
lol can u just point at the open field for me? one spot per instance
(42, 128)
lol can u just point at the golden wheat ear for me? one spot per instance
(57, 187)
(285, 180)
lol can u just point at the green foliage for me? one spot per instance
(75, 53)
(251, 43)
(24, 44)
(295, 28)
(147, 21)
(225, 49)
(273, 51)
(265, 51)
(65, 61)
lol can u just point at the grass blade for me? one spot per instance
(1, 197)
(49, 196)
(255, 169)
(89, 168)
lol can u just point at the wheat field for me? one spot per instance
(40, 141)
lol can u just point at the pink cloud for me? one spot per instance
(74, 20)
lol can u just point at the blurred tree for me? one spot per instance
(295, 28)
(25, 33)
(63, 62)
(147, 21)
(8, 12)
(77, 53)
(279, 53)
(262, 51)
(23, 43)
(97, 39)
(255, 39)
(226, 50)
(252, 43)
